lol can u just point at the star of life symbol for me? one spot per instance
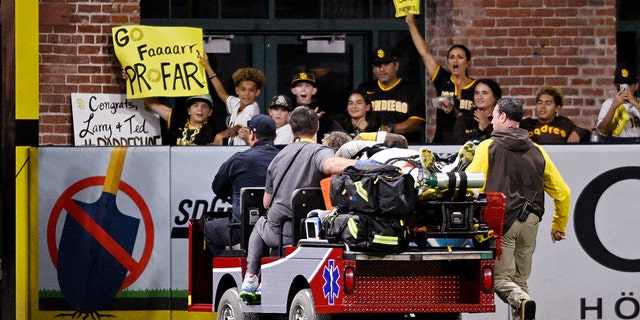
(331, 288)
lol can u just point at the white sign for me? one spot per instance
(112, 120)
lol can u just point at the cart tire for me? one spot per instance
(230, 306)
(303, 308)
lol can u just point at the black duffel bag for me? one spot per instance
(362, 232)
(373, 189)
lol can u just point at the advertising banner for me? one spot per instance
(132, 232)
(103, 224)
(592, 274)
(192, 172)
(595, 272)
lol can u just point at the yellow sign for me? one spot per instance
(161, 61)
(401, 5)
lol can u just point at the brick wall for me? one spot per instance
(525, 44)
(521, 44)
(76, 55)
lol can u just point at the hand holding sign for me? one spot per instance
(161, 61)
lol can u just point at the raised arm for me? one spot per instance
(156, 106)
(421, 45)
(213, 77)
(605, 122)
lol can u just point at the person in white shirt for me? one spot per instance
(279, 110)
(241, 108)
(620, 115)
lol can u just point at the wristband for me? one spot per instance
(213, 76)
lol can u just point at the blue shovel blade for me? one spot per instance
(88, 275)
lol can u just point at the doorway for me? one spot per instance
(280, 56)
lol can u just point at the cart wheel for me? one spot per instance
(230, 307)
(303, 308)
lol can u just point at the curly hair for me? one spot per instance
(335, 139)
(249, 74)
(557, 95)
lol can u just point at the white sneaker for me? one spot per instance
(249, 287)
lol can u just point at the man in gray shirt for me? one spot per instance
(300, 164)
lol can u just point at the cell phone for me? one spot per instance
(624, 87)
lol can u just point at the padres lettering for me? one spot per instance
(466, 105)
(463, 104)
(390, 105)
(547, 129)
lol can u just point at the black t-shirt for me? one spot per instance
(446, 87)
(557, 131)
(204, 137)
(402, 101)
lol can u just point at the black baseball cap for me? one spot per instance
(281, 101)
(303, 76)
(625, 74)
(383, 55)
(262, 124)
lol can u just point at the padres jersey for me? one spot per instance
(396, 104)
(446, 87)
(237, 117)
(632, 127)
(556, 131)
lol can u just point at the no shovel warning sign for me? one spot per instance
(94, 255)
